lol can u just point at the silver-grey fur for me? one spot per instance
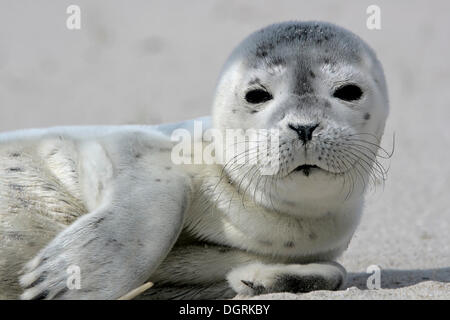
(109, 200)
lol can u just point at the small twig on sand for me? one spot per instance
(135, 292)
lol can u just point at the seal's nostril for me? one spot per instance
(304, 132)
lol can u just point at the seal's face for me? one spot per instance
(323, 90)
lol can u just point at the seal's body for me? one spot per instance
(111, 202)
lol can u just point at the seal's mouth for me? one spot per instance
(306, 169)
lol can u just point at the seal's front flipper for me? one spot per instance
(114, 249)
(258, 278)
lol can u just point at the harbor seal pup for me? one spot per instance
(111, 202)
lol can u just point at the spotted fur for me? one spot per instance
(109, 200)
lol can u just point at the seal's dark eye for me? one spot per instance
(348, 92)
(257, 96)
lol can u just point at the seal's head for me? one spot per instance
(323, 90)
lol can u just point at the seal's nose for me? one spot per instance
(304, 132)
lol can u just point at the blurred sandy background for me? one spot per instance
(158, 61)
